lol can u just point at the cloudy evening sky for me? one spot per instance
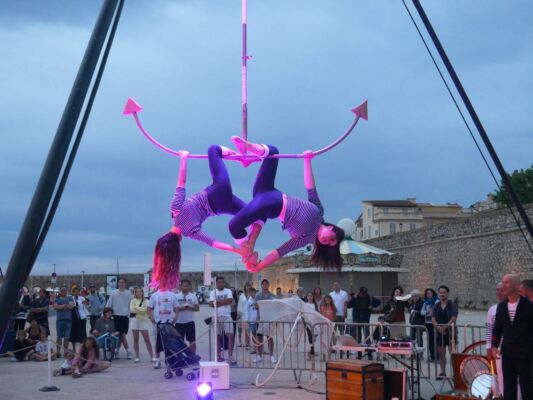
(313, 60)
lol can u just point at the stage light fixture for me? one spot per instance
(204, 391)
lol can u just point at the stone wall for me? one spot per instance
(98, 280)
(468, 255)
(277, 274)
(232, 278)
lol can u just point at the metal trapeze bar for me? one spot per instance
(134, 108)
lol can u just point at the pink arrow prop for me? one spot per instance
(134, 108)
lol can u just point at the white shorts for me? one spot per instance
(225, 324)
(140, 324)
(265, 328)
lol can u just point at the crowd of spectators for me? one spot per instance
(238, 317)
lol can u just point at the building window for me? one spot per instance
(376, 233)
(385, 210)
(392, 228)
(369, 233)
(368, 212)
(412, 227)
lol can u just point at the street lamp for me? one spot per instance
(53, 279)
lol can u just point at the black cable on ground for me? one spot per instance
(505, 194)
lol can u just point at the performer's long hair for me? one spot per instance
(167, 259)
(329, 257)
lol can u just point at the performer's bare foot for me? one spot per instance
(244, 161)
(243, 146)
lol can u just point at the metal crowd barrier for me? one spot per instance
(271, 336)
(311, 346)
(456, 338)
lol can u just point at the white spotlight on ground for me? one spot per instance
(204, 391)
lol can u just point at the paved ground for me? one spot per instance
(126, 380)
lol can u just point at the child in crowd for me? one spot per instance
(105, 328)
(85, 360)
(34, 331)
(381, 330)
(41, 349)
(22, 349)
(328, 309)
(253, 314)
(66, 367)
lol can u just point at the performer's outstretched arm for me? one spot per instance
(309, 179)
(270, 258)
(227, 247)
(182, 176)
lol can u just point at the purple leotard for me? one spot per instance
(215, 199)
(302, 218)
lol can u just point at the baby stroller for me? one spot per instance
(177, 356)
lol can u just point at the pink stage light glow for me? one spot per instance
(203, 389)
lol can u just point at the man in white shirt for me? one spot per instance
(491, 316)
(340, 298)
(119, 301)
(224, 300)
(162, 307)
(188, 305)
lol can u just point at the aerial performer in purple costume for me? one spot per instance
(189, 214)
(302, 219)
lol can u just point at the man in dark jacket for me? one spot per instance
(514, 321)
(362, 305)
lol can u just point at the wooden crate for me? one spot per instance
(354, 380)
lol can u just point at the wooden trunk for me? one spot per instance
(354, 380)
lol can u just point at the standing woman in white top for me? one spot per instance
(242, 314)
(140, 322)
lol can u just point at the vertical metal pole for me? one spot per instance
(505, 178)
(244, 75)
(20, 264)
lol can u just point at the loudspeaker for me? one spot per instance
(396, 383)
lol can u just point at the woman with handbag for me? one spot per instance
(140, 322)
(394, 311)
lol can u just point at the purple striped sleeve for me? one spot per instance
(177, 200)
(294, 244)
(312, 196)
(202, 237)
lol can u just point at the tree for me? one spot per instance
(522, 182)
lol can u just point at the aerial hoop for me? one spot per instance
(133, 108)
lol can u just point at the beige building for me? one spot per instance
(387, 217)
(484, 205)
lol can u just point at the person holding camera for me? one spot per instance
(188, 304)
(140, 323)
